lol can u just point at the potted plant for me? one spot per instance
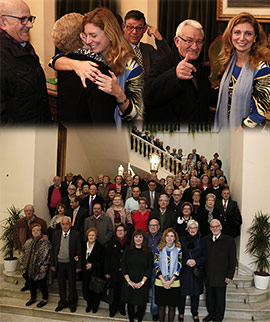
(258, 247)
(10, 262)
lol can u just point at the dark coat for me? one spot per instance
(66, 201)
(231, 219)
(221, 259)
(146, 194)
(74, 248)
(169, 99)
(98, 199)
(169, 220)
(202, 218)
(80, 218)
(175, 208)
(24, 97)
(195, 248)
(136, 264)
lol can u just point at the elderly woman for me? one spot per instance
(118, 183)
(117, 213)
(55, 222)
(136, 264)
(124, 80)
(168, 259)
(244, 94)
(34, 262)
(194, 254)
(183, 218)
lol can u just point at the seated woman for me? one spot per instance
(102, 33)
(55, 222)
(34, 262)
(244, 93)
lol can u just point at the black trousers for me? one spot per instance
(194, 304)
(42, 284)
(65, 272)
(216, 302)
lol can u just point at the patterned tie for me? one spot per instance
(90, 206)
(139, 57)
(225, 205)
(151, 200)
(74, 217)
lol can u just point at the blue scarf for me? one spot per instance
(166, 271)
(241, 96)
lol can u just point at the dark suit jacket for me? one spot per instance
(98, 199)
(169, 220)
(175, 208)
(74, 248)
(231, 220)
(65, 185)
(50, 191)
(66, 201)
(146, 194)
(124, 192)
(80, 218)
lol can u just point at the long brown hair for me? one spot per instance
(120, 51)
(144, 245)
(162, 243)
(259, 52)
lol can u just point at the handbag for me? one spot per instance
(97, 284)
(108, 293)
(199, 272)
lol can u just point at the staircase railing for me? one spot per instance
(145, 148)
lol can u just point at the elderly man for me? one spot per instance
(132, 203)
(22, 232)
(23, 86)
(55, 194)
(151, 195)
(89, 201)
(134, 28)
(66, 261)
(220, 267)
(71, 190)
(177, 88)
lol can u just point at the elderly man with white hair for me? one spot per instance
(177, 88)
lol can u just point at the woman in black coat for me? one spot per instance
(137, 266)
(194, 254)
(92, 265)
(113, 271)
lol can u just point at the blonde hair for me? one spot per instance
(120, 51)
(66, 32)
(259, 51)
(162, 243)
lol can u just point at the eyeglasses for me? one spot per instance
(153, 226)
(215, 226)
(24, 20)
(190, 42)
(131, 28)
(120, 230)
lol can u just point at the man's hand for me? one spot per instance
(53, 269)
(184, 69)
(153, 31)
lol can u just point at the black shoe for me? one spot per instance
(88, 309)
(60, 308)
(122, 311)
(207, 318)
(41, 304)
(112, 314)
(155, 317)
(95, 310)
(25, 288)
(73, 309)
(196, 319)
(180, 319)
(30, 302)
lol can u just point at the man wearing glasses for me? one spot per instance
(177, 88)
(134, 28)
(23, 96)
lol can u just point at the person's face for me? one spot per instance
(210, 202)
(92, 237)
(61, 210)
(221, 181)
(117, 201)
(177, 195)
(129, 181)
(193, 182)
(170, 181)
(118, 180)
(152, 186)
(120, 232)
(134, 35)
(125, 174)
(186, 211)
(162, 182)
(243, 37)
(73, 203)
(170, 238)
(153, 226)
(71, 190)
(138, 240)
(136, 192)
(142, 205)
(169, 191)
(146, 175)
(69, 177)
(57, 181)
(194, 151)
(96, 210)
(194, 50)
(153, 176)
(100, 179)
(177, 182)
(36, 232)
(29, 212)
(205, 180)
(14, 27)
(225, 194)
(196, 196)
(111, 194)
(85, 189)
(163, 202)
(65, 225)
(90, 180)
(215, 227)
(186, 176)
(192, 229)
(92, 190)
(106, 180)
(215, 182)
(96, 39)
(136, 180)
(184, 183)
(79, 183)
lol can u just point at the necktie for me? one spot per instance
(96, 220)
(139, 57)
(90, 206)
(151, 200)
(74, 217)
(65, 235)
(225, 205)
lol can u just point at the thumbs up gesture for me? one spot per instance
(184, 69)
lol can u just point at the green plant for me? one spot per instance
(7, 234)
(258, 245)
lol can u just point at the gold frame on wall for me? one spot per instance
(225, 13)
